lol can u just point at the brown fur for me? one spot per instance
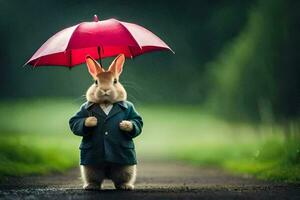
(123, 176)
(105, 82)
(107, 91)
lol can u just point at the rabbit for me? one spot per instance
(107, 123)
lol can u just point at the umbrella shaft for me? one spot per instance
(99, 54)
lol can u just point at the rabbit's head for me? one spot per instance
(106, 88)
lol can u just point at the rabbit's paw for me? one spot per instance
(125, 187)
(91, 186)
(90, 122)
(126, 125)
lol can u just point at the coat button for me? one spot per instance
(106, 133)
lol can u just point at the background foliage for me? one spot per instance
(244, 51)
(233, 80)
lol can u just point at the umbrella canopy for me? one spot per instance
(99, 39)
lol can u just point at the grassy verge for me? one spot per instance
(271, 158)
(32, 154)
(35, 138)
(187, 134)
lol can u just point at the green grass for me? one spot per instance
(35, 138)
(188, 134)
(32, 154)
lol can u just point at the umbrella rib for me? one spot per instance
(37, 62)
(130, 51)
(124, 27)
(73, 34)
(70, 58)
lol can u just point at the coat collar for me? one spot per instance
(117, 107)
(120, 103)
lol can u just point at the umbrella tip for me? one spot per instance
(96, 18)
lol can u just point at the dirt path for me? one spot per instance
(156, 180)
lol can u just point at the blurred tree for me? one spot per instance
(256, 75)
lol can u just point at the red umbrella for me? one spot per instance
(99, 39)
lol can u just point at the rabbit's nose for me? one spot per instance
(105, 91)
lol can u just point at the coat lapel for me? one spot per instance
(94, 108)
(117, 107)
(115, 110)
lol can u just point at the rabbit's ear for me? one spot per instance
(117, 65)
(93, 66)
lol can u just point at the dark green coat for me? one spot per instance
(106, 142)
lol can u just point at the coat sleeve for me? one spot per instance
(137, 122)
(77, 122)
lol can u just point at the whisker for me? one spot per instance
(133, 97)
(79, 99)
(133, 90)
(133, 85)
(130, 83)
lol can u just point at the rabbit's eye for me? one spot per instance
(96, 82)
(115, 81)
